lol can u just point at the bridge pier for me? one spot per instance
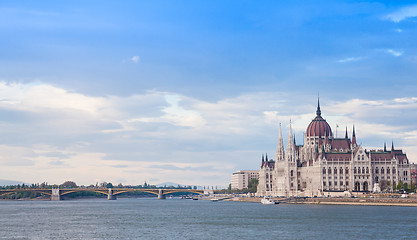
(55, 196)
(110, 196)
(161, 194)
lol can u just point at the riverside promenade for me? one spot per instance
(363, 200)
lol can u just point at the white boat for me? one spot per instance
(214, 199)
(266, 200)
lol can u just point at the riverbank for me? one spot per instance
(406, 202)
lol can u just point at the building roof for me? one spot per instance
(338, 157)
(340, 143)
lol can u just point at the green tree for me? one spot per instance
(109, 185)
(68, 184)
(253, 185)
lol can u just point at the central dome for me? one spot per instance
(319, 127)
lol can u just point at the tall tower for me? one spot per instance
(290, 157)
(280, 155)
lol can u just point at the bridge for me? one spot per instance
(111, 193)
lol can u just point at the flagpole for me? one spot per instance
(337, 126)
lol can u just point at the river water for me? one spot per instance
(187, 219)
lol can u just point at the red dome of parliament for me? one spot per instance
(319, 127)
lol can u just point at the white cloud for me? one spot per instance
(350, 59)
(168, 136)
(402, 14)
(395, 53)
(135, 59)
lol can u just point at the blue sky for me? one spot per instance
(190, 91)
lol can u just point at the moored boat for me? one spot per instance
(266, 200)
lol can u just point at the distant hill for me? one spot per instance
(4, 182)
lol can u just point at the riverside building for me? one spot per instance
(326, 165)
(241, 179)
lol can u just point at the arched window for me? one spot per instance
(335, 170)
(324, 170)
(376, 170)
(330, 170)
(388, 171)
(363, 170)
(393, 170)
(359, 157)
(292, 173)
(267, 176)
(382, 170)
(347, 170)
(363, 157)
(341, 170)
(367, 170)
(354, 170)
(359, 170)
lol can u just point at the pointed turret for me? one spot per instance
(263, 158)
(385, 147)
(353, 136)
(346, 135)
(266, 157)
(392, 146)
(280, 155)
(290, 146)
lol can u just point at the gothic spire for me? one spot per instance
(385, 147)
(318, 112)
(290, 146)
(263, 158)
(280, 155)
(346, 135)
(353, 136)
(392, 146)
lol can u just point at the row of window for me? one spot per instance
(335, 183)
(335, 177)
(335, 170)
(359, 170)
(383, 171)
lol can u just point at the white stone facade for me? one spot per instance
(241, 179)
(325, 164)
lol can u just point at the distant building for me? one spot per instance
(325, 164)
(414, 174)
(241, 179)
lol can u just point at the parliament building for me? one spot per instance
(326, 165)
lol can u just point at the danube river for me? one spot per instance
(188, 219)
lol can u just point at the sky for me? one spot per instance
(191, 91)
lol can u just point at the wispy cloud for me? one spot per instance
(135, 59)
(395, 53)
(402, 14)
(350, 59)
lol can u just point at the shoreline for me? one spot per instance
(335, 201)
